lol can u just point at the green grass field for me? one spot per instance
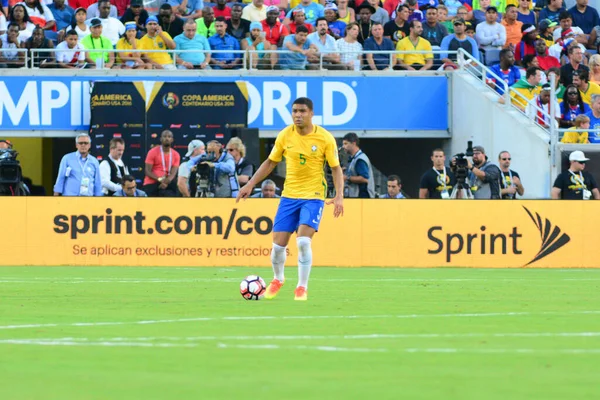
(182, 333)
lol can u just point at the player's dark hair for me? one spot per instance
(301, 29)
(220, 19)
(72, 32)
(583, 75)
(128, 178)
(394, 178)
(531, 71)
(564, 15)
(351, 137)
(303, 101)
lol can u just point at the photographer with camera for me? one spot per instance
(219, 167)
(79, 172)
(186, 181)
(11, 179)
(484, 177)
(437, 182)
(358, 177)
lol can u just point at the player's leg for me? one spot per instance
(286, 221)
(310, 218)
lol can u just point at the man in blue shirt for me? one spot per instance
(458, 40)
(325, 43)
(300, 50)
(191, 40)
(551, 11)
(312, 11)
(63, 14)
(224, 41)
(594, 114)
(584, 16)
(506, 71)
(129, 188)
(79, 172)
(376, 42)
(193, 9)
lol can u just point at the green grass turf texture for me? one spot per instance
(432, 351)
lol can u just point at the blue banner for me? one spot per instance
(341, 103)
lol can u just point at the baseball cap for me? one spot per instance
(479, 149)
(469, 26)
(194, 144)
(80, 9)
(152, 19)
(256, 25)
(273, 8)
(95, 22)
(129, 26)
(458, 21)
(546, 23)
(491, 8)
(578, 155)
(137, 3)
(331, 6)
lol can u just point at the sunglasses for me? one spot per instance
(581, 162)
(83, 143)
(572, 93)
(505, 159)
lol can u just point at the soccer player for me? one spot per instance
(305, 147)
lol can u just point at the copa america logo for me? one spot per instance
(170, 100)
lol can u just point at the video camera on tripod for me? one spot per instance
(460, 167)
(205, 176)
(11, 176)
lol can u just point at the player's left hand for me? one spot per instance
(338, 206)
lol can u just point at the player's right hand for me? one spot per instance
(244, 192)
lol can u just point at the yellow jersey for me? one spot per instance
(592, 89)
(575, 137)
(305, 157)
(123, 44)
(410, 59)
(156, 43)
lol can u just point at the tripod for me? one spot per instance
(463, 189)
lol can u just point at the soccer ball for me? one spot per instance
(253, 287)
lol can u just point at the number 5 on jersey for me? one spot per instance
(302, 159)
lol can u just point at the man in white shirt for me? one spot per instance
(69, 53)
(112, 170)
(112, 27)
(566, 25)
(326, 45)
(94, 12)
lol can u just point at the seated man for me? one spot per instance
(298, 51)
(527, 88)
(376, 42)
(129, 188)
(267, 190)
(325, 43)
(191, 40)
(413, 42)
(154, 40)
(69, 53)
(223, 41)
(96, 41)
(394, 188)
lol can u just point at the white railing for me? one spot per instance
(20, 59)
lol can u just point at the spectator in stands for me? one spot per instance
(236, 26)
(458, 40)
(206, 25)
(345, 14)
(525, 14)
(415, 61)
(70, 53)
(566, 28)
(559, 89)
(191, 40)
(349, 48)
(394, 188)
(470, 30)
(243, 168)
(79, 172)
(437, 182)
(380, 15)
(376, 42)
(512, 27)
(545, 29)
(156, 39)
(81, 3)
(442, 18)
(79, 25)
(542, 102)
(41, 59)
(62, 13)
(433, 31)
(20, 17)
(274, 30)
(511, 181)
(415, 13)
(94, 12)
(97, 41)
(255, 11)
(267, 190)
(552, 11)
(480, 13)
(398, 28)
(575, 64)
(187, 8)
(594, 114)
(169, 22)
(526, 88)
(312, 11)
(186, 178)
(366, 26)
(594, 66)
(573, 137)
(2, 21)
(257, 42)
(301, 50)
(129, 188)
(325, 43)
(221, 9)
(490, 35)
(581, 79)
(572, 106)
(527, 45)
(224, 41)
(541, 52)
(575, 183)
(358, 176)
(113, 28)
(130, 42)
(162, 164)
(298, 19)
(112, 169)
(138, 14)
(584, 16)
(337, 28)
(506, 70)
(39, 14)
(10, 40)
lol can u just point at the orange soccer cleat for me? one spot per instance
(273, 289)
(300, 294)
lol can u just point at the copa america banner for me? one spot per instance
(138, 112)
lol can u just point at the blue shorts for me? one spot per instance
(292, 213)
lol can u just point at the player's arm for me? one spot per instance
(338, 183)
(263, 171)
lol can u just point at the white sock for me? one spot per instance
(278, 255)
(304, 260)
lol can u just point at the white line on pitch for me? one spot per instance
(291, 317)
